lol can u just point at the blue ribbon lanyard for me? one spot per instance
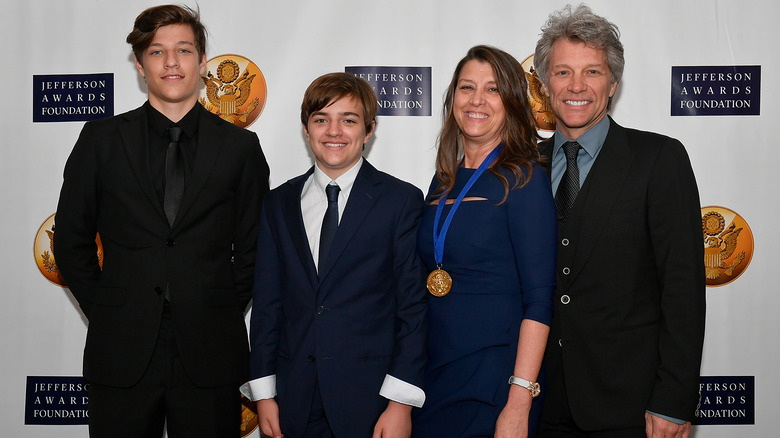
(438, 238)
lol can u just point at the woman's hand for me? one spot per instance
(513, 420)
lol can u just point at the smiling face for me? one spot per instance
(477, 106)
(336, 135)
(172, 69)
(579, 84)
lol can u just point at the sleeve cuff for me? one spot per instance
(666, 417)
(399, 391)
(260, 389)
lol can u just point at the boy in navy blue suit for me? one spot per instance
(339, 316)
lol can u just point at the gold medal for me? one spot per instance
(439, 282)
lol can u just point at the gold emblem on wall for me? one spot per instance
(44, 252)
(235, 89)
(728, 245)
(540, 104)
(249, 420)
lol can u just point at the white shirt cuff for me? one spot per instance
(399, 391)
(260, 389)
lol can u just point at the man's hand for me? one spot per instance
(268, 418)
(395, 421)
(657, 427)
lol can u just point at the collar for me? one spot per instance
(591, 141)
(159, 123)
(345, 181)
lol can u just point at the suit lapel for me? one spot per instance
(598, 196)
(293, 218)
(136, 147)
(364, 194)
(210, 141)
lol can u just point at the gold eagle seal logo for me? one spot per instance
(235, 89)
(728, 245)
(249, 420)
(540, 103)
(43, 249)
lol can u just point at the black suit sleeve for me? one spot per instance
(249, 199)
(75, 228)
(674, 220)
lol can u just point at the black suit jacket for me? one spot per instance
(362, 317)
(628, 325)
(206, 258)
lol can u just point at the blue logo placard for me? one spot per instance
(56, 400)
(726, 400)
(716, 91)
(73, 98)
(400, 91)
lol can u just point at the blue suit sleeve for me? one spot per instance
(411, 296)
(533, 230)
(266, 316)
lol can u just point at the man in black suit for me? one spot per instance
(338, 325)
(175, 194)
(625, 345)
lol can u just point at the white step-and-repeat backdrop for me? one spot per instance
(693, 71)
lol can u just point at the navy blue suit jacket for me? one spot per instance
(362, 317)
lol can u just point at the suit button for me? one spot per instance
(320, 310)
(158, 290)
(311, 358)
(565, 299)
(170, 243)
(560, 342)
(566, 270)
(565, 242)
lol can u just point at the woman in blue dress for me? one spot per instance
(488, 238)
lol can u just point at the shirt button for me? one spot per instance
(565, 299)
(565, 242)
(170, 243)
(320, 310)
(310, 358)
(566, 270)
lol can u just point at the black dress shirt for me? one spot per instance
(159, 139)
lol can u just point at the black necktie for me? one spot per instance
(174, 175)
(329, 223)
(570, 183)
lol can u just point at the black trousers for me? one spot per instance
(165, 397)
(557, 421)
(567, 428)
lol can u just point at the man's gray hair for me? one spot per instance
(580, 25)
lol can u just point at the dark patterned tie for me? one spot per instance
(174, 175)
(570, 183)
(330, 222)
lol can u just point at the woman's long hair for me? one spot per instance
(519, 137)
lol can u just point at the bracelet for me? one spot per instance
(533, 388)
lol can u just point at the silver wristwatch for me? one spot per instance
(532, 387)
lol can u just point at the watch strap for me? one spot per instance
(532, 387)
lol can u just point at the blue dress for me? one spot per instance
(502, 262)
